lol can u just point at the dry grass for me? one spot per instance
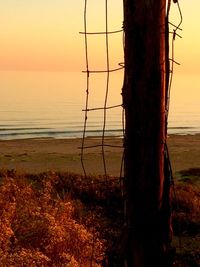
(49, 219)
(38, 228)
(186, 223)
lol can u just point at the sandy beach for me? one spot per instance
(39, 155)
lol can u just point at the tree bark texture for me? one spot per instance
(144, 99)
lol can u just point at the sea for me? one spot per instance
(51, 105)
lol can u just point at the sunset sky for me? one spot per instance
(44, 34)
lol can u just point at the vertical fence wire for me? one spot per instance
(172, 59)
(107, 70)
(174, 33)
(107, 88)
(105, 107)
(104, 142)
(87, 86)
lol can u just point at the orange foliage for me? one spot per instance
(39, 229)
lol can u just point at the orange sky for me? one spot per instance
(43, 35)
(39, 35)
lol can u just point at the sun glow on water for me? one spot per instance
(42, 56)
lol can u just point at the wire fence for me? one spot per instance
(105, 107)
(103, 142)
(174, 34)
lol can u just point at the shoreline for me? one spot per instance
(92, 136)
(51, 154)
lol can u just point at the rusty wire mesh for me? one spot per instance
(102, 142)
(107, 70)
(172, 32)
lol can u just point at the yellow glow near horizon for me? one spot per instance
(187, 49)
(43, 35)
(35, 36)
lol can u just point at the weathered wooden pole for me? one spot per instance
(144, 99)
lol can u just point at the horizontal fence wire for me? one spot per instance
(106, 180)
(172, 59)
(106, 32)
(107, 70)
(109, 107)
(100, 145)
(174, 34)
(103, 71)
(105, 107)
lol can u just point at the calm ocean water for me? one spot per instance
(40, 105)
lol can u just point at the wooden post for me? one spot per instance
(144, 98)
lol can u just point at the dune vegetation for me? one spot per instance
(63, 219)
